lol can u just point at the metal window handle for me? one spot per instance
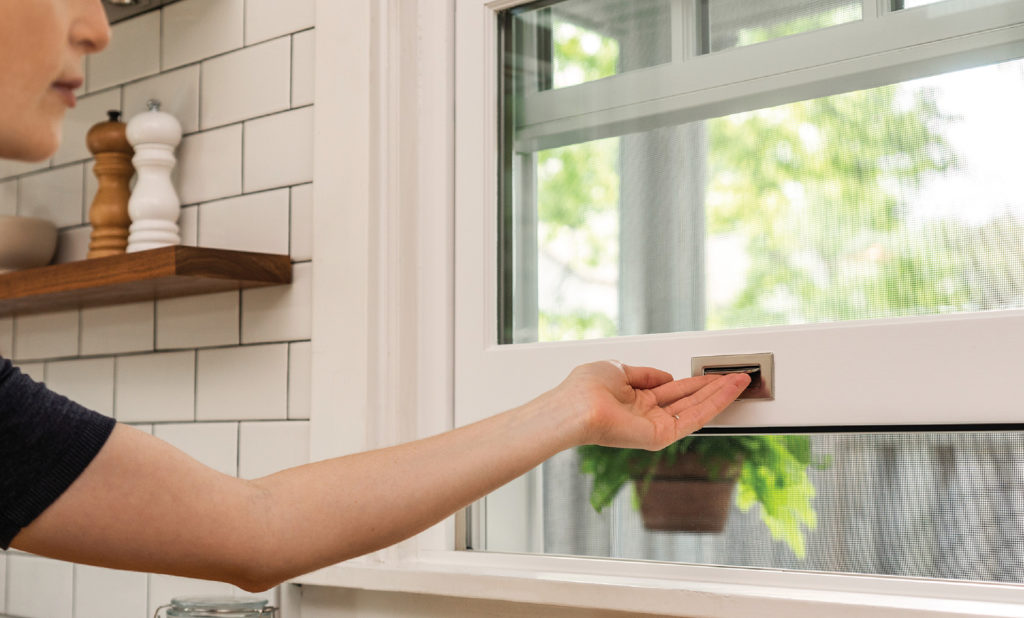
(760, 367)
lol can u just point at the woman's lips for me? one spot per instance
(66, 90)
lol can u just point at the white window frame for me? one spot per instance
(404, 153)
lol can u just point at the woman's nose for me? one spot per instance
(90, 30)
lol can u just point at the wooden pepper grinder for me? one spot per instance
(154, 207)
(108, 213)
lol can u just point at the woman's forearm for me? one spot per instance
(144, 505)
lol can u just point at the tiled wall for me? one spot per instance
(224, 377)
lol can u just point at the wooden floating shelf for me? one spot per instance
(166, 272)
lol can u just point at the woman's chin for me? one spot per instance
(33, 148)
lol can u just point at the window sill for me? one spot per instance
(691, 591)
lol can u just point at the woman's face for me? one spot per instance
(42, 44)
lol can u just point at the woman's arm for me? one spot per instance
(143, 505)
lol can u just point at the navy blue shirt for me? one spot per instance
(46, 441)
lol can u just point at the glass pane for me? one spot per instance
(936, 505)
(736, 23)
(903, 200)
(554, 45)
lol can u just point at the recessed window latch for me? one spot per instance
(760, 367)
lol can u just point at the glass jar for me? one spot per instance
(217, 607)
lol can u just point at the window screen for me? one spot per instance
(936, 505)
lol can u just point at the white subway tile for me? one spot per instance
(134, 52)
(107, 593)
(300, 385)
(118, 329)
(279, 312)
(266, 19)
(303, 63)
(72, 244)
(55, 195)
(163, 588)
(39, 587)
(36, 371)
(6, 337)
(3, 580)
(210, 165)
(246, 83)
(177, 91)
(143, 427)
(279, 150)
(244, 383)
(302, 222)
(254, 222)
(156, 387)
(213, 444)
(188, 226)
(90, 110)
(197, 321)
(198, 29)
(10, 167)
(268, 447)
(89, 382)
(9, 197)
(46, 335)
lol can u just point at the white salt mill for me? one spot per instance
(153, 207)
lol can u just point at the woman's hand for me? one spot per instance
(642, 407)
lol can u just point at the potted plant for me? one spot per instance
(698, 474)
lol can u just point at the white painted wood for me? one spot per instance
(342, 186)
(106, 593)
(210, 165)
(197, 29)
(89, 382)
(155, 388)
(133, 52)
(254, 222)
(279, 150)
(955, 35)
(54, 195)
(177, 91)
(250, 82)
(154, 207)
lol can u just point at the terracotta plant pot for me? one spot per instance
(682, 497)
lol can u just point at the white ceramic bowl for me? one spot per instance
(26, 242)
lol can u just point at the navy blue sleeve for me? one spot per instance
(46, 441)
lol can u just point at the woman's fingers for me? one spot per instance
(698, 409)
(645, 377)
(671, 392)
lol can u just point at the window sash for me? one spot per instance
(944, 370)
(877, 50)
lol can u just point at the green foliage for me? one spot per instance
(773, 474)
